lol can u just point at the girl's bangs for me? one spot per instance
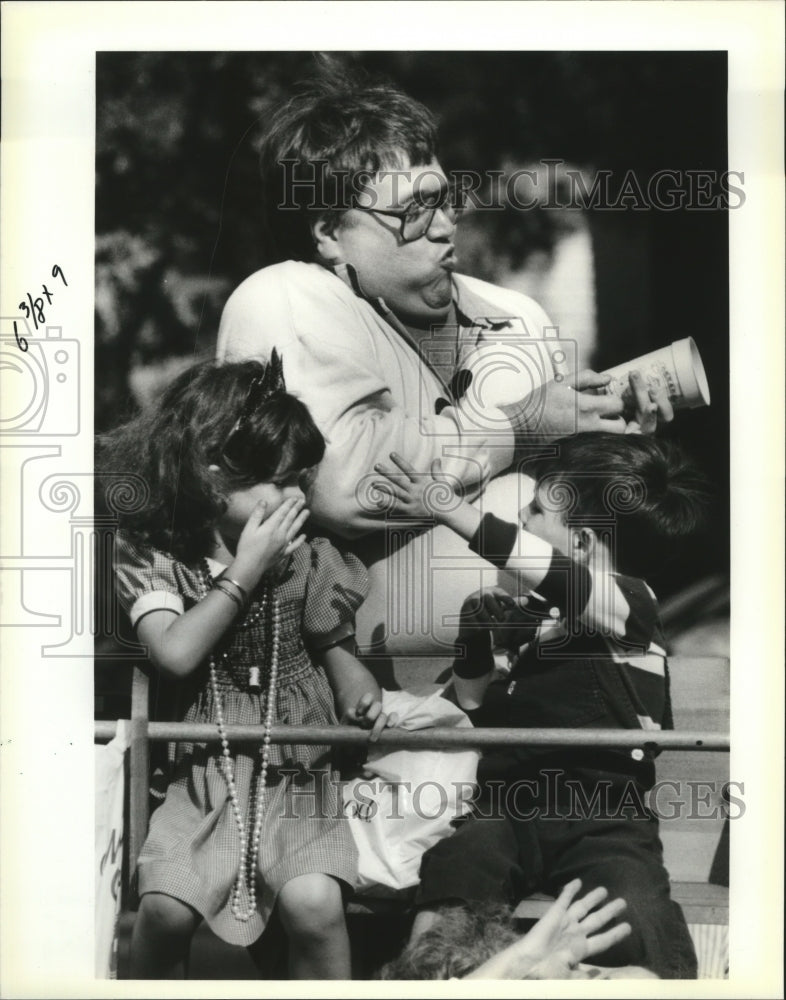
(281, 438)
(304, 448)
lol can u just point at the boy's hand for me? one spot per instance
(494, 610)
(486, 608)
(368, 714)
(417, 495)
(264, 541)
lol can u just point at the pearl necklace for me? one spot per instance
(249, 851)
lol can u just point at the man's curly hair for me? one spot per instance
(339, 128)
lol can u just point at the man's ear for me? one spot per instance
(326, 244)
(584, 543)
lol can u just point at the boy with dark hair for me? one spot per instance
(604, 507)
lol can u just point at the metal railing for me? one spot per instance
(438, 737)
(143, 732)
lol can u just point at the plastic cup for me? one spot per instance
(677, 368)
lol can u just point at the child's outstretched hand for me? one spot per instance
(568, 933)
(571, 931)
(368, 714)
(418, 495)
(265, 540)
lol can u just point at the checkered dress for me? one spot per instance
(192, 850)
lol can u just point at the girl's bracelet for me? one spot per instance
(228, 593)
(242, 589)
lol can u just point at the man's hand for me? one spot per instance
(651, 406)
(567, 406)
(576, 404)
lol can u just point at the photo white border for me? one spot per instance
(47, 212)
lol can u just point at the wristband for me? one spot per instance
(240, 587)
(229, 594)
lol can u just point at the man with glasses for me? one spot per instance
(374, 326)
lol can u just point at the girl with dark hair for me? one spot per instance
(258, 625)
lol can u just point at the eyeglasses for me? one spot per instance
(415, 220)
(232, 452)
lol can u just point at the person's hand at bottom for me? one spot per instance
(565, 935)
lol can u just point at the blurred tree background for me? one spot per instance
(177, 206)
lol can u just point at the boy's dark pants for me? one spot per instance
(505, 855)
